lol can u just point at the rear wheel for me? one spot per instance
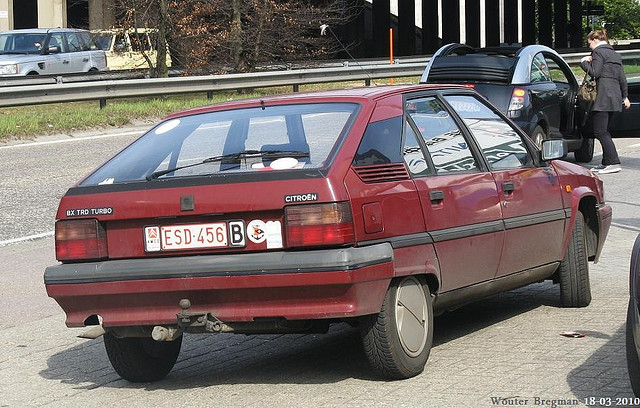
(585, 153)
(575, 289)
(397, 341)
(538, 136)
(141, 359)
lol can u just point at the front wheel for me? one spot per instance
(397, 341)
(633, 363)
(575, 289)
(585, 153)
(141, 359)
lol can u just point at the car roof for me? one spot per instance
(455, 62)
(358, 95)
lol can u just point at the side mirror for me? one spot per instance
(553, 149)
(53, 50)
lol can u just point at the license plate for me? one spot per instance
(193, 236)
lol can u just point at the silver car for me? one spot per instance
(53, 51)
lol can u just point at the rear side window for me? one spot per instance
(283, 137)
(502, 146)
(75, 43)
(447, 146)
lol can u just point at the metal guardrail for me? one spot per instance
(111, 89)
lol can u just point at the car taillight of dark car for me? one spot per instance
(319, 225)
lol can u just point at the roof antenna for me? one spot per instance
(323, 31)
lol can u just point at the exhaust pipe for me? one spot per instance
(161, 333)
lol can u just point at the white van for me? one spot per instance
(126, 49)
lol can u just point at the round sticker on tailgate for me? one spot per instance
(256, 231)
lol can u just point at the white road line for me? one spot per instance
(27, 238)
(73, 139)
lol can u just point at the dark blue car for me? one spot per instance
(532, 85)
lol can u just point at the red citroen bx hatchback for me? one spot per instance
(375, 206)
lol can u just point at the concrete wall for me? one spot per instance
(6, 15)
(52, 13)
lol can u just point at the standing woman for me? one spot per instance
(605, 65)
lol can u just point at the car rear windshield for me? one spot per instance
(273, 138)
(472, 67)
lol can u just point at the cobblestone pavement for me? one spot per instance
(497, 352)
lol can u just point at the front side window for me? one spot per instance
(447, 146)
(276, 138)
(501, 144)
(57, 40)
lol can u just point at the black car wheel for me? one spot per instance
(397, 341)
(585, 153)
(573, 272)
(141, 359)
(633, 363)
(538, 136)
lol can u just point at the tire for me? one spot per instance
(633, 363)
(397, 341)
(141, 359)
(538, 136)
(573, 272)
(585, 153)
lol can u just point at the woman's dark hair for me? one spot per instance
(600, 35)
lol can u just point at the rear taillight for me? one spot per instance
(517, 102)
(319, 224)
(80, 240)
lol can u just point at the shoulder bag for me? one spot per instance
(587, 92)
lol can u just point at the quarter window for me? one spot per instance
(540, 69)
(502, 146)
(447, 146)
(381, 143)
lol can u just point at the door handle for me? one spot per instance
(562, 93)
(85, 59)
(508, 187)
(65, 61)
(436, 196)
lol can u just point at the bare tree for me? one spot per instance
(135, 14)
(239, 35)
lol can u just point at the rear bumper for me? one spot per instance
(295, 285)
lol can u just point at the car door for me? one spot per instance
(530, 193)
(78, 56)
(56, 62)
(545, 96)
(459, 197)
(566, 89)
(626, 123)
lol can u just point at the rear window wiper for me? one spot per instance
(265, 154)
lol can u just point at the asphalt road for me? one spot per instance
(496, 352)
